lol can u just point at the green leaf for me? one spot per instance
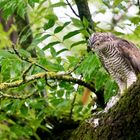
(8, 8)
(24, 36)
(66, 23)
(116, 2)
(4, 127)
(35, 1)
(135, 20)
(73, 61)
(16, 105)
(85, 32)
(41, 84)
(60, 28)
(54, 67)
(49, 65)
(19, 130)
(85, 22)
(89, 67)
(7, 13)
(32, 2)
(38, 38)
(137, 30)
(78, 43)
(21, 9)
(53, 52)
(51, 21)
(71, 34)
(24, 110)
(6, 54)
(38, 103)
(51, 17)
(63, 50)
(77, 22)
(60, 93)
(50, 45)
(58, 59)
(100, 79)
(49, 24)
(5, 70)
(106, 2)
(58, 4)
(24, 53)
(110, 89)
(10, 69)
(44, 37)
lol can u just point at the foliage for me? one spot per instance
(60, 47)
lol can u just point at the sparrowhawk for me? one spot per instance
(120, 57)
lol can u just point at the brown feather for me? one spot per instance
(131, 53)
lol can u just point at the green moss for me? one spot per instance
(120, 123)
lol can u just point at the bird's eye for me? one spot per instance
(97, 44)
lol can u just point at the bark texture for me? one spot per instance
(7, 24)
(121, 122)
(84, 11)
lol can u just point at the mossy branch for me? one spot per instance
(121, 122)
(47, 75)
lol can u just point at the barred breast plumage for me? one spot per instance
(119, 57)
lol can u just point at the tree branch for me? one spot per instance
(72, 8)
(27, 59)
(76, 66)
(3, 95)
(72, 106)
(47, 75)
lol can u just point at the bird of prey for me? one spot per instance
(120, 58)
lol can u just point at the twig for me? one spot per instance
(27, 60)
(72, 9)
(49, 75)
(77, 65)
(46, 80)
(73, 101)
(138, 3)
(2, 95)
(72, 106)
(26, 71)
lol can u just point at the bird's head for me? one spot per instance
(97, 40)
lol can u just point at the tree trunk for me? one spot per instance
(23, 28)
(7, 25)
(84, 11)
(121, 122)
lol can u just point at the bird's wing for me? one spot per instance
(130, 52)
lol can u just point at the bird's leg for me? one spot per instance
(112, 102)
(122, 86)
(131, 78)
